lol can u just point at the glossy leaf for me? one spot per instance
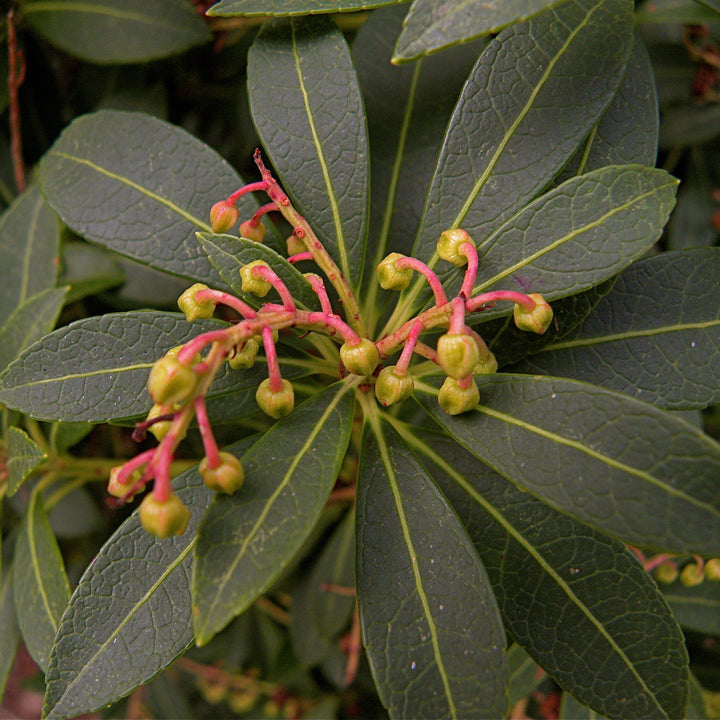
(229, 253)
(614, 463)
(246, 539)
(9, 631)
(301, 7)
(696, 608)
(29, 247)
(23, 456)
(40, 586)
(317, 141)
(430, 623)
(96, 369)
(578, 234)
(29, 322)
(141, 187)
(431, 25)
(655, 336)
(618, 649)
(130, 615)
(627, 132)
(496, 157)
(320, 612)
(117, 31)
(407, 108)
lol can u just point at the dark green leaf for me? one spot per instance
(697, 708)
(130, 615)
(141, 187)
(229, 253)
(88, 270)
(689, 124)
(523, 674)
(577, 601)
(656, 335)
(431, 25)
(9, 631)
(29, 322)
(23, 456)
(627, 132)
(571, 709)
(518, 119)
(678, 11)
(612, 462)
(41, 588)
(319, 612)
(430, 624)
(407, 108)
(578, 234)
(29, 247)
(307, 108)
(246, 539)
(117, 31)
(64, 435)
(696, 608)
(96, 369)
(301, 7)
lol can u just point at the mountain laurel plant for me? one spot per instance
(435, 303)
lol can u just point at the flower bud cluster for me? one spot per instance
(179, 381)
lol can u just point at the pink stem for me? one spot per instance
(262, 210)
(265, 273)
(466, 382)
(252, 187)
(319, 287)
(332, 321)
(430, 276)
(224, 298)
(653, 562)
(406, 355)
(206, 433)
(191, 348)
(427, 352)
(300, 256)
(161, 487)
(134, 464)
(469, 250)
(476, 303)
(457, 319)
(272, 359)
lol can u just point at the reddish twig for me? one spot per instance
(16, 75)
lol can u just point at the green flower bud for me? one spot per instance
(691, 575)
(275, 404)
(250, 283)
(222, 216)
(391, 387)
(487, 365)
(295, 245)
(666, 573)
(458, 354)
(118, 489)
(455, 400)
(392, 277)
(243, 356)
(170, 381)
(360, 359)
(448, 246)
(712, 569)
(537, 320)
(256, 233)
(227, 477)
(194, 309)
(160, 429)
(164, 519)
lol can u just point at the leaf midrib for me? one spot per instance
(521, 540)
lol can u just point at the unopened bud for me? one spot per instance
(196, 309)
(536, 320)
(392, 387)
(712, 569)
(227, 477)
(458, 354)
(448, 246)
(170, 381)
(222, 216)
(250, 283)
(119, 489)
(295, 245)
(454, 399)
(161, 428)
(361, 358)
(243, 356)
(275, 403)
(253, 231)
(691, 575)
(164, 519)
(392, 277)
(667, 573)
